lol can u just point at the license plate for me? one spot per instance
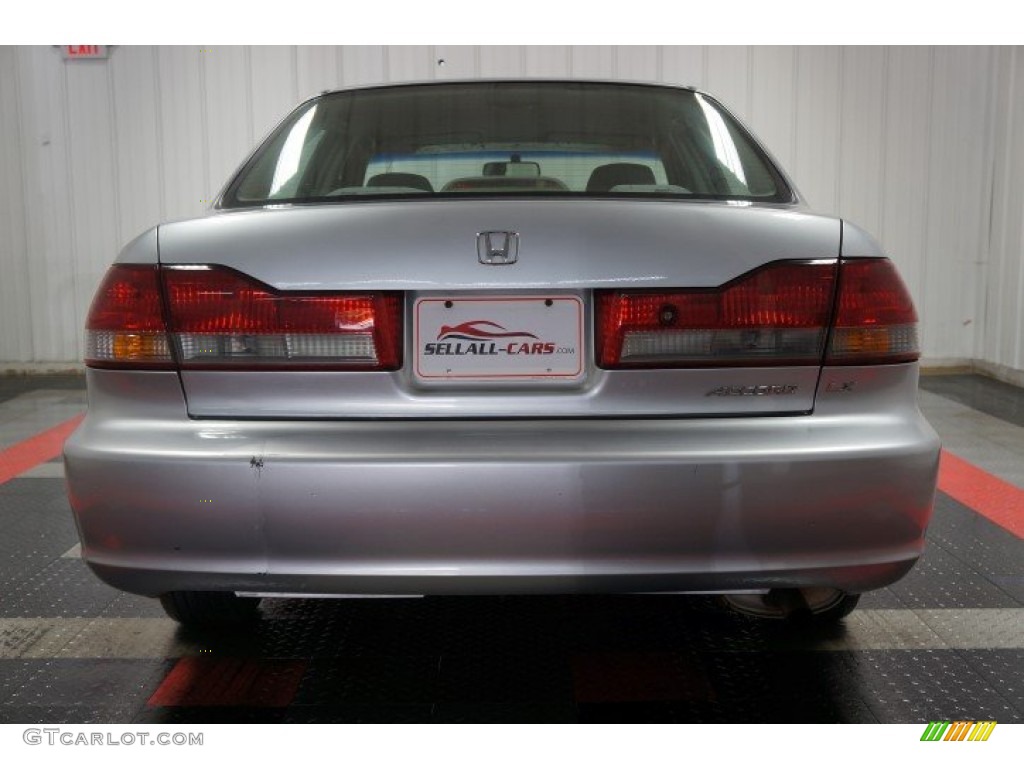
(499, 337)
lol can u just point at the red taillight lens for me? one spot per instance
(220, 318)
(875, 321)
(775, 315)
(125, 327)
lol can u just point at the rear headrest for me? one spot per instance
(605, 177)
(413, 180)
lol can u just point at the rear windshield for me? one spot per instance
(520, 139)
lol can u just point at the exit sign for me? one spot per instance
(84, 52)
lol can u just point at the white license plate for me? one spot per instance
(499, 337)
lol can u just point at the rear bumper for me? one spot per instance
(164, 502)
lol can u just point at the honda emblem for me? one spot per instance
(496, 248)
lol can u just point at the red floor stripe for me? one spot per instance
(37, 449)
(999, 501)
(226, 682)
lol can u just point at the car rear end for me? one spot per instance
(480, 349)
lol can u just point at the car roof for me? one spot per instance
(525, 80)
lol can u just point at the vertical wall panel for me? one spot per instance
(989, 60)
(273, 83)
(1011, 279)
(958, 184)
(136, 141)
(683, 65)
(862, 112)
(317, 69)
(410, 62)
(728, 71)
(1002, 194)
(502, 60)
(459, 62)
(1004, 311)
(771, 100)
(182, 126)
(922, 146)
(50, 249)
(229, 117)
(907, 156)
(1015, 312)
(15, 325)
(817, 126)
(637, 62)
(595, 61)
(95, 199)
(548, 60)
(364, 64)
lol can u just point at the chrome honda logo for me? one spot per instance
(497, 248)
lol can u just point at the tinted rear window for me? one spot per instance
(488, 139)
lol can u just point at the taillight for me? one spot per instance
(220, 318)
(875, 320)
(125, 327)
(775, 315)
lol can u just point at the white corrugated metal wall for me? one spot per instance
(1001, 346)
(921, 145)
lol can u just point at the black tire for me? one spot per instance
(210, 609)
(816, 606)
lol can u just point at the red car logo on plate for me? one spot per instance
(472, 330)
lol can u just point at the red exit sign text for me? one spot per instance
(84, 51)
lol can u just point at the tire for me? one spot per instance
(819, 606)
(210, 609)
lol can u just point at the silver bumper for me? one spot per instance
(164, 502)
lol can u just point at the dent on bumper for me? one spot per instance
(163, 502)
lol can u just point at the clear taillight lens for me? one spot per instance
(775, 315)
(125, 326)
(875, 321)
(221, 318)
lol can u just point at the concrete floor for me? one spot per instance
(945, 643)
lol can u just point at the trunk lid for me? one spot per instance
(567, 250)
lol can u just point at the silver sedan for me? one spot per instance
(503, 337)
